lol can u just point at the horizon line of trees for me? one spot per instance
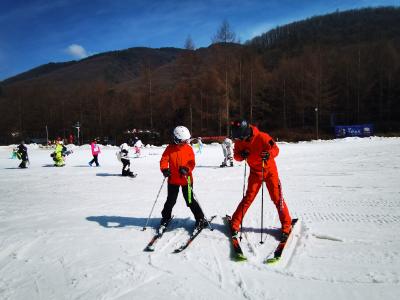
(286, 87)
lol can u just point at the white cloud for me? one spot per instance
(77, 51)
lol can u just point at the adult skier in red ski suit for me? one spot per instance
(259, 150)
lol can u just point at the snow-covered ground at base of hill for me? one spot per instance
(76, 232)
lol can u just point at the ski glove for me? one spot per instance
(166, 172)
(183, 171)
(245, 154)
(265, 155)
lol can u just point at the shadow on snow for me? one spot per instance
(185, 223)
(109, 175)
(154, 223)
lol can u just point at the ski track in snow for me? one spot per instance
(218, 270)
(75, 232)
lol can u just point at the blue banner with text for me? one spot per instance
(362, 130)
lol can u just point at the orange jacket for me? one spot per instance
(175, 156)
(257, 143)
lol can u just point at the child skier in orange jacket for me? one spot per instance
(177, 163)
(259, 150)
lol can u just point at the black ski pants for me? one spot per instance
(173, 191)
(126, 164)
(24, 160)
(94, 160)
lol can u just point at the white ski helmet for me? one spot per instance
(181, 134)
(124, 146)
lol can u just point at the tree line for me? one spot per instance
(294, 81)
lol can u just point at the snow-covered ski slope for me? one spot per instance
(75, 232)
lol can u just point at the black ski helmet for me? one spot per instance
(240, 130)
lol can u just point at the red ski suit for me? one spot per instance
(257, 143)
(175, 156)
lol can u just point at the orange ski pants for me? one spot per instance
(275, 192)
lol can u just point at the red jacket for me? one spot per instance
(95, 149)
(175, 156)
(258, 142)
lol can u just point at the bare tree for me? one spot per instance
(189, 44)
(147, 77)
(224, 34)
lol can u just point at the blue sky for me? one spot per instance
(36, 32)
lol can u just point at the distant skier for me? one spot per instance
(22, 154)
(95, 152)
(259, 150)
(177, 163)
(137, 146)
(227, 148)
(199, 145)
(123, 156)
(59, 154)
(14, 153)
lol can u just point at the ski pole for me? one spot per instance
(190, 191)
(244, 187)
(262, 202)
(144, 228)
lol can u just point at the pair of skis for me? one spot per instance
(151, 245)
(238, 252)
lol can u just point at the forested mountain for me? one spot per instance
(112, 67)
(340, 68)
(339, 28)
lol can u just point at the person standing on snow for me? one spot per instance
(199, 145)
(123, 156)
(177, 163)
(137, 146)
(59, 154)
(95, 152)
(259, 150)
(22, 154)
(227, 147)
(14, 153)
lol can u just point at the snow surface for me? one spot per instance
(76, 232)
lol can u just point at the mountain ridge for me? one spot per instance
(275, 80)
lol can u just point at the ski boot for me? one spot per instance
(199, 225)
(223, 165)
(163, 225)
(22, 165)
